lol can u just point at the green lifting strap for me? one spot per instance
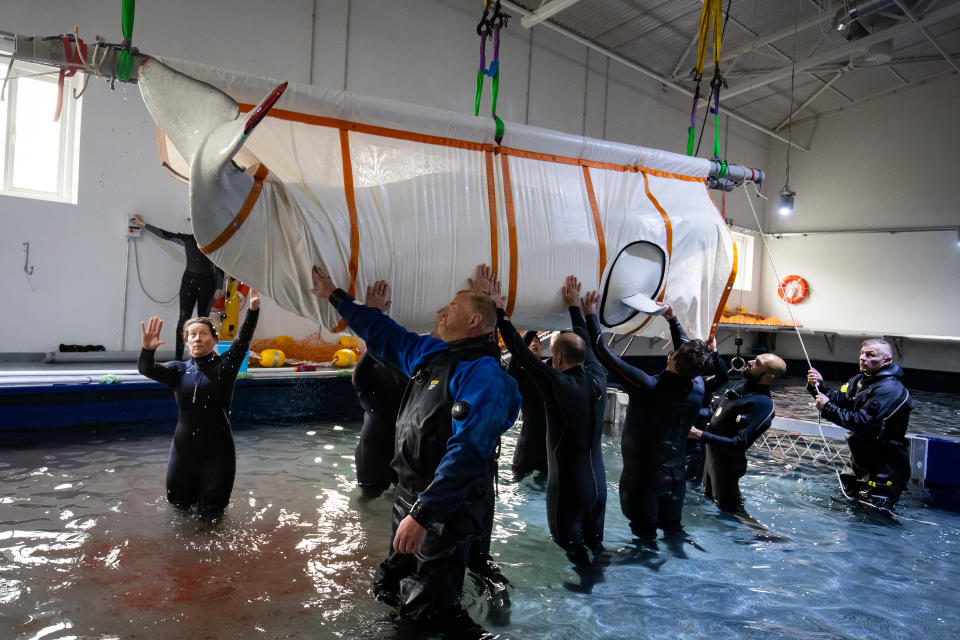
(716, 128)
(476, 101)
(125, 59)
(691, 136)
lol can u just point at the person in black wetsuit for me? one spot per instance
(742, 416)
(201, 283)
(573, 393)
(531, 451)
(714, 377)
(659, 415)
(875, 407)
(457, 404)
(380, 389)
(203, 460)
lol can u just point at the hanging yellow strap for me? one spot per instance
(712, 15)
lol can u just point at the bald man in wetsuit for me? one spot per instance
(572, 388)
(742, 416)
(875, 407)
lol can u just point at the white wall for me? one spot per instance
(890, 163)
(423, 51)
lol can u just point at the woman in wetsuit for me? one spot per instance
(203, 461)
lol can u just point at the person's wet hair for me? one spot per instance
(206, 321)
(689, 359)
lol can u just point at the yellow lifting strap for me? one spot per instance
(712, 14)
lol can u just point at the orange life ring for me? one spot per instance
(793, 289)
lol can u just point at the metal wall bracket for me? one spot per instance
(831, 340)
(27, 267)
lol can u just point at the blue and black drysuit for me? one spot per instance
(201, 278)
(659, 415)
(203, 461)
(457, 404)
(876, 410)
(574, 405)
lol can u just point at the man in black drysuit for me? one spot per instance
(201, 283)
(457, 404)
(875, 407)
(572, 391)
(714, 377)
(531, 451)
(659, 416)
(743, 415)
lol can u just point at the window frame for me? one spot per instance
(68, 144)
(745, 241)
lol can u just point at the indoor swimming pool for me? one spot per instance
(91, 549)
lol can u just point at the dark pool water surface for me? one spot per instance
(89, 548)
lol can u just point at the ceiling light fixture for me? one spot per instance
(788, 196)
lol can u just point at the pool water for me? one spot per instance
(936, 414)
(89, 548)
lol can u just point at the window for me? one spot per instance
(40, 155)
(744, 242)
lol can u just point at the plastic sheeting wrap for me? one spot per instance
(419, 197)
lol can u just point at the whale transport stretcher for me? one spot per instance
(376, 189)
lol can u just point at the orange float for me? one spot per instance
(793, 289)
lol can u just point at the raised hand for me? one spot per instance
(668, 314)
(150, 333)
(323, 284)
(590, 302)
(254, 299)
(484, 279)
(378, 296)
(571, 291)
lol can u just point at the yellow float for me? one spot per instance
(344, 358)
(347, 342)
(272, 358)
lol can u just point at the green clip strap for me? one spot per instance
(500, 128)
(476, 101)
(496, 92)
(125, 59)
(691, 136)
(716, 134)
(723, 169)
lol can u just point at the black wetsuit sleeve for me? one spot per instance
(540, 372)
(180, 238)
(590, 362)
(513, 367)
(720, 376)
(677, 334)
(233, 358)
(869, 418)
(756, 417)
(146, 366)
(630, 375)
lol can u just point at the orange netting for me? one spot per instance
(742, 316)
(312, 348)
